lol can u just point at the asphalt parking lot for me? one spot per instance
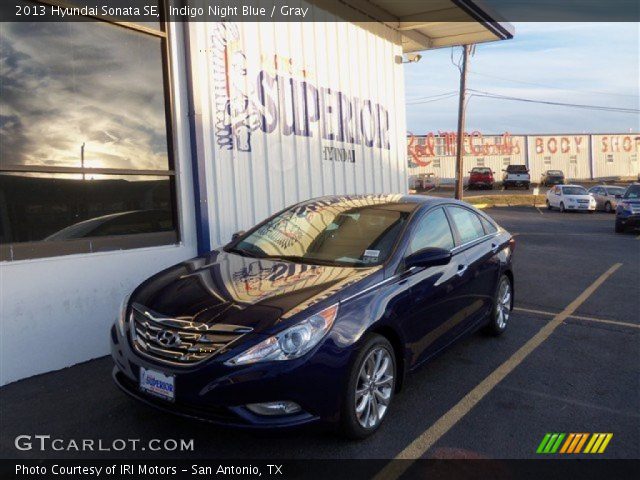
(484, 398)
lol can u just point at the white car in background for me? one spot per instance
(570, 197)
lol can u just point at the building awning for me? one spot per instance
(437, 23)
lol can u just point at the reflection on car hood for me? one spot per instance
(225, 288)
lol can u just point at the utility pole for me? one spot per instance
(82, 160)
(460, 136)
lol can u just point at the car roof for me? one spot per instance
(381, 199)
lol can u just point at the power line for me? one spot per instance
(480, 93)
(550, 86)
(432, 96)
(451, 95)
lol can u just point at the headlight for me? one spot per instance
(122, 316)
(291, 343)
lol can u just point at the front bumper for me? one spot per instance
(581, 207)
(631, 220)
(216, 393)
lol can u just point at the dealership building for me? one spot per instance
(127, 148)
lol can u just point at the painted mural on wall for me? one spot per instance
(579, 156)
(282, 95)
(420, 149)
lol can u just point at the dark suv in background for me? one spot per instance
(628, 209)
(552, 177)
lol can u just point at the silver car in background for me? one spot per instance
(607, 196)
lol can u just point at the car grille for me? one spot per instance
(179, 341)
(583, 201)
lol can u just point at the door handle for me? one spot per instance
(462, 269)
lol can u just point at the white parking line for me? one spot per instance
(581, 317)
(431, 435)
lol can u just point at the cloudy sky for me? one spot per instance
(579, 63)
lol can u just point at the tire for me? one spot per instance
(505, 186)
(607, 207)
(502, 304)
(358, 425)
(619, 227)
(527, 186)
(548, 204)
(562, 209)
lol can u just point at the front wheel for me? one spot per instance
(607, 207)
(501, 308)
(370, 388)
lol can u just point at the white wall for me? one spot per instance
(247, 182)
(56, 312)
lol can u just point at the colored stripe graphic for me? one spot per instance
(573, 443)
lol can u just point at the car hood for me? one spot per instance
(578, 197)
(224, 288)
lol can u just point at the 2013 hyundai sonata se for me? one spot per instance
(317, 314)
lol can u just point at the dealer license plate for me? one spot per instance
(157, 384)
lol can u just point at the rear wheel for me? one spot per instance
(370, 388)
(501, 308)
(562, 209)
(607, 207)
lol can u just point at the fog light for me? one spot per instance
(274, 408)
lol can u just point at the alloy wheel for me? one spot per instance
(503, 305)
(374, 387)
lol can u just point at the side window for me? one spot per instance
(488, 226)
(468, 224)
(433, 231)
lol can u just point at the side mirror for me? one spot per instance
(237, 235)
(428, 257)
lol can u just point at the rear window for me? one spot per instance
(481, 170)
(555, 172)
(517, 169)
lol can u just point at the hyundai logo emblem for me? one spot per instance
(168, 338)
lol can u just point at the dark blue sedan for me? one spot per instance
(317, 314)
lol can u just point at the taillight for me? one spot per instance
(512, 244)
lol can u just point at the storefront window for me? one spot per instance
(86, 138)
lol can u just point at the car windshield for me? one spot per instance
(632, 192)
(615, 190)
(557, 173)
(354, 232)
(574, 191)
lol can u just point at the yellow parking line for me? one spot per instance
(581, 317)
(431, 435)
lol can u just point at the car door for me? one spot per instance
(436, 294)
(480, 248)
(601, 196)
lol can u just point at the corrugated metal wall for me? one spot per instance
(487, 151)
(569, 153)
(615, 155)
(291, 111)
(580, 157)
